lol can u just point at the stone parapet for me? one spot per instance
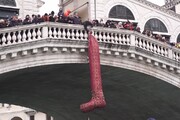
(54, 43)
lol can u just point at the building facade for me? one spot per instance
(19, 7)
(145, 14)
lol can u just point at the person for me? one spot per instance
(45, 17)
(66, 13)
(60, 13)
(87, 25)
(76, 18)
(119, 25)
(27, 20)
(51, 17)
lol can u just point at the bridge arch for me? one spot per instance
(61, 88)
(54, 44)
(67, 56)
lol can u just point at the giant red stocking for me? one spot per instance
(97, 100)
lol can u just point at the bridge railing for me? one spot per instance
(48, 30)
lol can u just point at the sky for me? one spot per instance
(53, 6)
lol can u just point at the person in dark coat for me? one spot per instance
(51, 17)
(87, 25)
(76, 18)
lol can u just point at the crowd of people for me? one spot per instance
(64, 17)
(68, 17)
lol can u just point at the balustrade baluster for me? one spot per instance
(113, 38)
(72, 34)
(85, 35)
(137, 42)
(100, 37)
(128, 39)
(104, 37)
(140, 43)
(29, 35)
(158, 49)
(148, 46)
(155, 48)
(116, 38)
(39, 33)
(59, 33)
(4, 39)
(166, 53)
(68, 33)
(54, 32)
(81, 35)
(34, 34)
(77, 34)
(177, 56)
(19, 37)
(24, 36)
(144, 44)
(14, 38)
(123, 39)
(64, 33)
(162, 51)
(50, 32)
(151, 47)
(8, 39)
(174, 56)
(108, 39)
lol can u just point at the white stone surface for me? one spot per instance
(7, 112)
(28, 7)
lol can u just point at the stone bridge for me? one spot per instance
(38, 52)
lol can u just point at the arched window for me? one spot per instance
(8, 3)
(16, 118)
(121, 12)
(178, 38)
(155, 25)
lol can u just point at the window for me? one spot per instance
(8, 2)
(155, 25)
(16, 118)
(32, 117)
(121, 12)
(178, 38)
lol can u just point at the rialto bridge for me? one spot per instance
(45, 67)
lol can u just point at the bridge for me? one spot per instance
(45, 67)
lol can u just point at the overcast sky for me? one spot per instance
(49, 5)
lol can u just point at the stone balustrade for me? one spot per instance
(28, 33)
(57, 43)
